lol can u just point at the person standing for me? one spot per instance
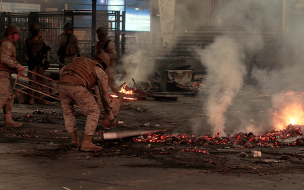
(76, 81)
(106, 47)
(66, 45)
(37, 58)
(8, 66)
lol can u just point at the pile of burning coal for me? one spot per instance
(290, 136)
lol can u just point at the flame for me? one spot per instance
(124, 91)
(125, 98)
(292, 121)
(287, 111)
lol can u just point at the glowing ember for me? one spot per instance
(125, 98)
(290, 136)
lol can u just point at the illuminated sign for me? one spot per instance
(116, 5)
(19, 7)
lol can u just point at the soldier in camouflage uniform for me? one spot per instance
(106, 47)
(8, 66)
(76, 81)
(31, 48)
(66, 45)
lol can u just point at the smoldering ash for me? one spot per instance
(223, 60)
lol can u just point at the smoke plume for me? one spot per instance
(237, 54)
(137, 66)
(223, 59)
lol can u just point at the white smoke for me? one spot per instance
(137, 66)
(287, 75)
(223, 60)
(230, 58)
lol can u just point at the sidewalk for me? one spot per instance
(37, 156)
(81, 171)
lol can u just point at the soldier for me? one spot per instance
(66, 45)
(36, 63)
(76, 81)
(8, 66)
(107, 47)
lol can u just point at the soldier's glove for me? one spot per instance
(78, 55)
(46, 65)
(20, 69)
(106, 123)
(113, 123)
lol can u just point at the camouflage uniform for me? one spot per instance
(31, 48)
(107, 48)
(75, 83)
(72, 49)
(8, 66)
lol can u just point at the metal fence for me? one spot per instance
(51, 25)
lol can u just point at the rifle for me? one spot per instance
(59, 63)
(39, 56)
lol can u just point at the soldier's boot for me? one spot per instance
(9, 122)
(32, 100)
(88, 146)
(75, 140)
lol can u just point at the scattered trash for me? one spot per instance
(256, 154)
(270, 161)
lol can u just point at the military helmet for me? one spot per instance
(102, 30)
(11, 29)
(68, 26)
(34, 27)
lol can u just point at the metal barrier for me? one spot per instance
(51, 25)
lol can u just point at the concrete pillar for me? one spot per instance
(166, 11)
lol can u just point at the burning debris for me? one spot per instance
(290, 136)
(132, 94)
(180, 80)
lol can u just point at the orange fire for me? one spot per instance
(292, 121)
(287, 110)
(124, 91)
(290, 115)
